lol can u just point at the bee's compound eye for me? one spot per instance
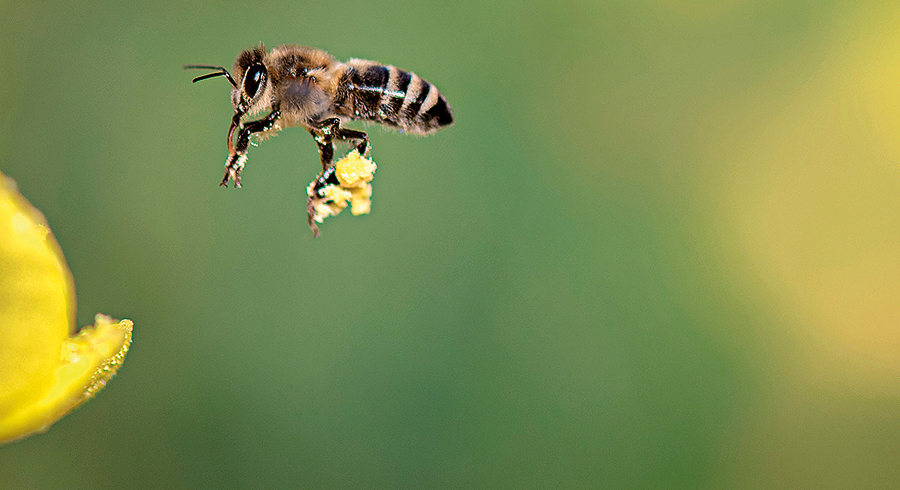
(253, 79)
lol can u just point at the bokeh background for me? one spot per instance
(659, 249)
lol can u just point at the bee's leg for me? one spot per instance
(310, 212)
(326, 178)
(326, 147)
(332, 128)
(238, 155)
(352, 134)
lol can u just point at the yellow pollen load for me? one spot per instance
(355, 175)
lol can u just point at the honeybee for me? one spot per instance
(307, 87)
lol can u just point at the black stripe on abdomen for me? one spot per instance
(373, 77)
(439, 113)
(369, 83)
(395, 93)
(415, 96)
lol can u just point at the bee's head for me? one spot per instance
(248, 93)
(247, 96)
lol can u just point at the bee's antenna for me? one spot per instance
(223, 72)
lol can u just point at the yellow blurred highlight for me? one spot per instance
(813, 199)
(46, 369)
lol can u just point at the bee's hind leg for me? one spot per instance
(352, 134)
(326, 147)
(330, 129)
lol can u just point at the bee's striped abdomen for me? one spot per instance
(389, 95)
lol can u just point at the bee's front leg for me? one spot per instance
(238, 153)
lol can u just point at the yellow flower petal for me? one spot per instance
(46, 369)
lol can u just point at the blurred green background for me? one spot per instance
(659, 248)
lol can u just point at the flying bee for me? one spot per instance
(307, 87)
